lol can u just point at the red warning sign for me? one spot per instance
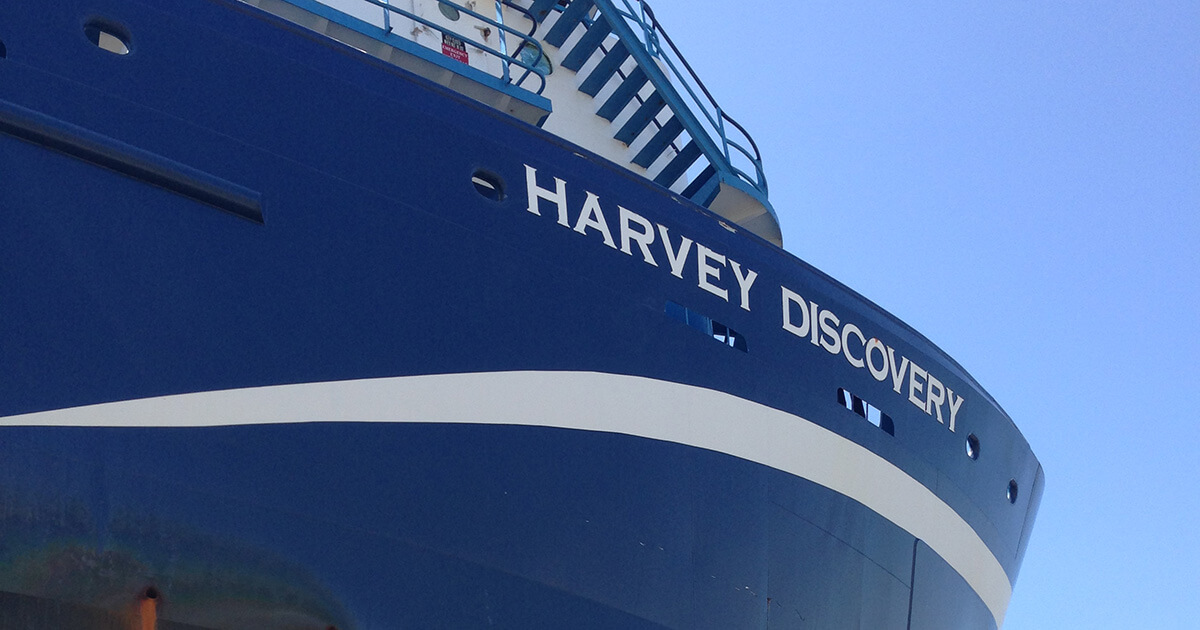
(454, 48)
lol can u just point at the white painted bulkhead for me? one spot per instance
(574, 112)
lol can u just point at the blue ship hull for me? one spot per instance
(270, 357)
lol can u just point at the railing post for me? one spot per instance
(387, 17)
(721, 131)
(647, 29)
(503, 41)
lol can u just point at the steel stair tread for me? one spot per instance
(571, 17)
(623, 94)
(587, 44)
(605, 69)
(658, 143)
(678, 165)
(703, 189)
(540, 9)
(641, 118)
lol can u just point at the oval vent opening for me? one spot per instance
(488, 185)
(107, 36)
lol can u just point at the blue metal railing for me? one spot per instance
(713, 128)
(507, 61)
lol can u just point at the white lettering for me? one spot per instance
(897, 376)
(932, 398)
(915, 384)
(592, 217)
(847, 330)
(830, 339)
(744, 282)
(558, 195)
(822, 328)
(676, 258)
(881, 373)
(704, 271)
(790, 298)
(642, 237)
(814, 311)
(954, 405)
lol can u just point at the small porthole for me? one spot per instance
(488, 185)
(972, 446)
(1012, 490)
(107, 36)
(450, 12)
(536, 59)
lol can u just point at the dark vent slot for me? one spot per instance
(143, 165)
(866, 410)
(706, 325)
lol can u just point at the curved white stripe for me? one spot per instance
(592, 401)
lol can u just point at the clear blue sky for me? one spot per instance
(1019, 180)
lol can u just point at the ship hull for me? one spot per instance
(390, 525)
(270, 351)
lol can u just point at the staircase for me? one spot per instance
(672, 126)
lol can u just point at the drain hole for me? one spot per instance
(151, 593)
(3, 50)
(488, 185)
(107, 36)
(1012, 490)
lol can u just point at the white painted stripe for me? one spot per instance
(591, 401)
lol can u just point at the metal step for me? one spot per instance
(704, 188)
(730, 192)
(571, 17)
(587, 45)
(623, 94)
(542, 8)
(641, 118)
(676, 168)
(659, 142)
(605, 69)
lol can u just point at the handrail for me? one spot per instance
(757, 157)
(643, 18)
(533, 25)
(506, 59)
